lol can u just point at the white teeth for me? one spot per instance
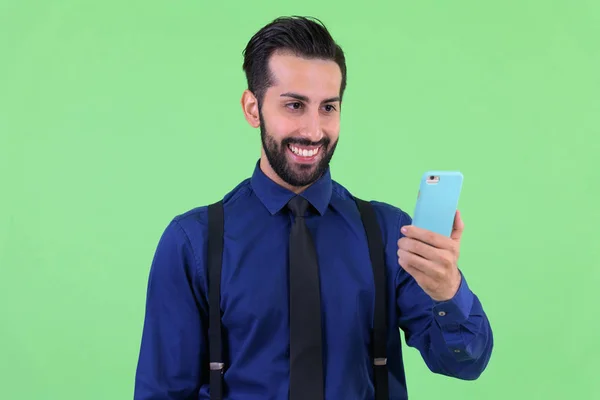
(304, 153)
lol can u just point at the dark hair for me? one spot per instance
(305, 37)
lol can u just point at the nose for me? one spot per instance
(313, 130)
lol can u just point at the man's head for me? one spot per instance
(296, 80)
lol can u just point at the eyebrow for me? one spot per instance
(305, 99)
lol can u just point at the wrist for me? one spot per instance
(452, 288)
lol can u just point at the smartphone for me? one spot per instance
(437, 201)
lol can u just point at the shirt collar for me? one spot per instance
(275, 197)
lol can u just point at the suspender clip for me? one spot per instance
(216, 366)
(380, 361)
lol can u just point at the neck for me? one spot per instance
(266, 168)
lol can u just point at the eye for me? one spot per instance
(294, 106)
(330, 108)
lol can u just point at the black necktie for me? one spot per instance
(306, 365)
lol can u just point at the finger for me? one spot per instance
(458, 227)
(419, 276)
(406, 259)
(422, 279)
(432, 238)
(422, 249)
(416, 262)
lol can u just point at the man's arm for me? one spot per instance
(454, 336)
(170, 365)
(452, 332)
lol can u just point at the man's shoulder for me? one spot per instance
(387, 213)
(194, 221)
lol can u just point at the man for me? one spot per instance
(290, 224)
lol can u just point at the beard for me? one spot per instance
(297, 175)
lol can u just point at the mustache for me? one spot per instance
(305, 142)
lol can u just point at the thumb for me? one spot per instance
(458, 227)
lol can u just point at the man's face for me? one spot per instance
(300, 117)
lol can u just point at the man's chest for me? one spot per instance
(255, 277)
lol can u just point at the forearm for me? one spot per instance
(459, 346)
(454, 337)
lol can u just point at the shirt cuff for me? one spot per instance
(455, 311)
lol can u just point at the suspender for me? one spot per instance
(215, 259)
(377, 252)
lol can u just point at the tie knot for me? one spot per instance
(298, 205)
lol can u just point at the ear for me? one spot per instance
(250, 108)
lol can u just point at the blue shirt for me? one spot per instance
(453, 337)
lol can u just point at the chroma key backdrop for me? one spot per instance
(115, 116)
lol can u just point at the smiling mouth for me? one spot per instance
(305, 152)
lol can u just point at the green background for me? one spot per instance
(115, 116)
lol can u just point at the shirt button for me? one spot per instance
(442, 313)
(456, 350)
